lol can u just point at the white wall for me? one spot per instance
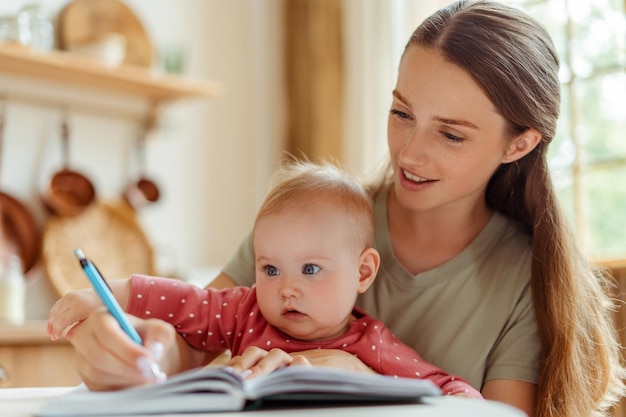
(212, 157)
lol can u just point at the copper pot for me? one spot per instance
(143, 191)
(69, 191)
(19, 233)
(20, 230)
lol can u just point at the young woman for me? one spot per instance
(479, 273)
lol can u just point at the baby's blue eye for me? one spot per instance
(310, 269)
(272, 271)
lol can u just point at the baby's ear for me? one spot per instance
(370, 261)
(521, 145)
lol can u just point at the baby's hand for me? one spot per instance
(255, 361)
(71, 309)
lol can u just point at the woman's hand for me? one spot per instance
(255, 361)
(107, 359)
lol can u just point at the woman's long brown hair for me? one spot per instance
(514, 60)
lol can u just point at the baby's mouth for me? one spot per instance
(292, 314)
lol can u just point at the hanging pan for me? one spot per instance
(69, 191)
(19, 234)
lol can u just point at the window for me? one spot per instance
(588, 154)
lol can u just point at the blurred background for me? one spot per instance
(311, 77)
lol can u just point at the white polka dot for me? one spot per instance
(287, 341)
(218, 316)
(178, 326)
(148, 312)
(269, 342)
(199, 331)
(229, 333)
(171, 315)
(183, 301)
(395, 376)
(210, 333)
(203, 343)
(345, 345)
(466, 390)
(373, 347)
(152, 282)
(395, 344)
(376, 327)
(162, 297)
(397, 358)
(222, 341)
(364, 324)
(205, 302)
(453, 379)
(224, 304)
(417, 373)
(250, 330)
(139, 295)
(414, 359)
(239, 334)
(191, 315)
(251, 313)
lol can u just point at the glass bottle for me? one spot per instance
(12, 292)
(39, 22)
(14, 31)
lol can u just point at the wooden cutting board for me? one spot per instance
(85, 21)
(108, 232)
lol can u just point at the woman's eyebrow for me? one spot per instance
(445, 120)
(464, 123)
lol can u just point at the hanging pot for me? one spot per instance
(143, 191)
(19, 232)
(69, 191)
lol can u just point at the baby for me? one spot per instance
(313, 243)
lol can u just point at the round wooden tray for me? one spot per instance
(85, 21)
(108, 233)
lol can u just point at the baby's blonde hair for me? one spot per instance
(297, 180)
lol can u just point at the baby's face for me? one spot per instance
(307, 271)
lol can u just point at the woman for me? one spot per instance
(479, 272)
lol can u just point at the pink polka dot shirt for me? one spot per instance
(215, 320)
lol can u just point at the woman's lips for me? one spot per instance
(413, 177)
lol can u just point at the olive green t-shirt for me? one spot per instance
(472, 316)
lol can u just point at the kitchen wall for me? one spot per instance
(211, 157)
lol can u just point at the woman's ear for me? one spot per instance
(521, 145)
(370, 261)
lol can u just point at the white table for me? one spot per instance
(25, 402)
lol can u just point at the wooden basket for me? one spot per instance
(108, 233)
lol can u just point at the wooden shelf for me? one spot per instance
(33, 332)
(64, 67)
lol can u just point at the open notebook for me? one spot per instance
(220, 388)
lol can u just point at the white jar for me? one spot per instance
(12, 292)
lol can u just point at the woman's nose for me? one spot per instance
(415, 150)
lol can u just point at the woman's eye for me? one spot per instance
(272, 271)
(310, 269)
(400, 114)
(451, 137)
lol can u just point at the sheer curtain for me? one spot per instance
(374, 35)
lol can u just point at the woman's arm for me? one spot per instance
(520, 394)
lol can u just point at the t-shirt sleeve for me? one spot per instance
(399, 359)
(241, 266)
(515, 352)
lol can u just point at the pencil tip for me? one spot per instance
(79, 253)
